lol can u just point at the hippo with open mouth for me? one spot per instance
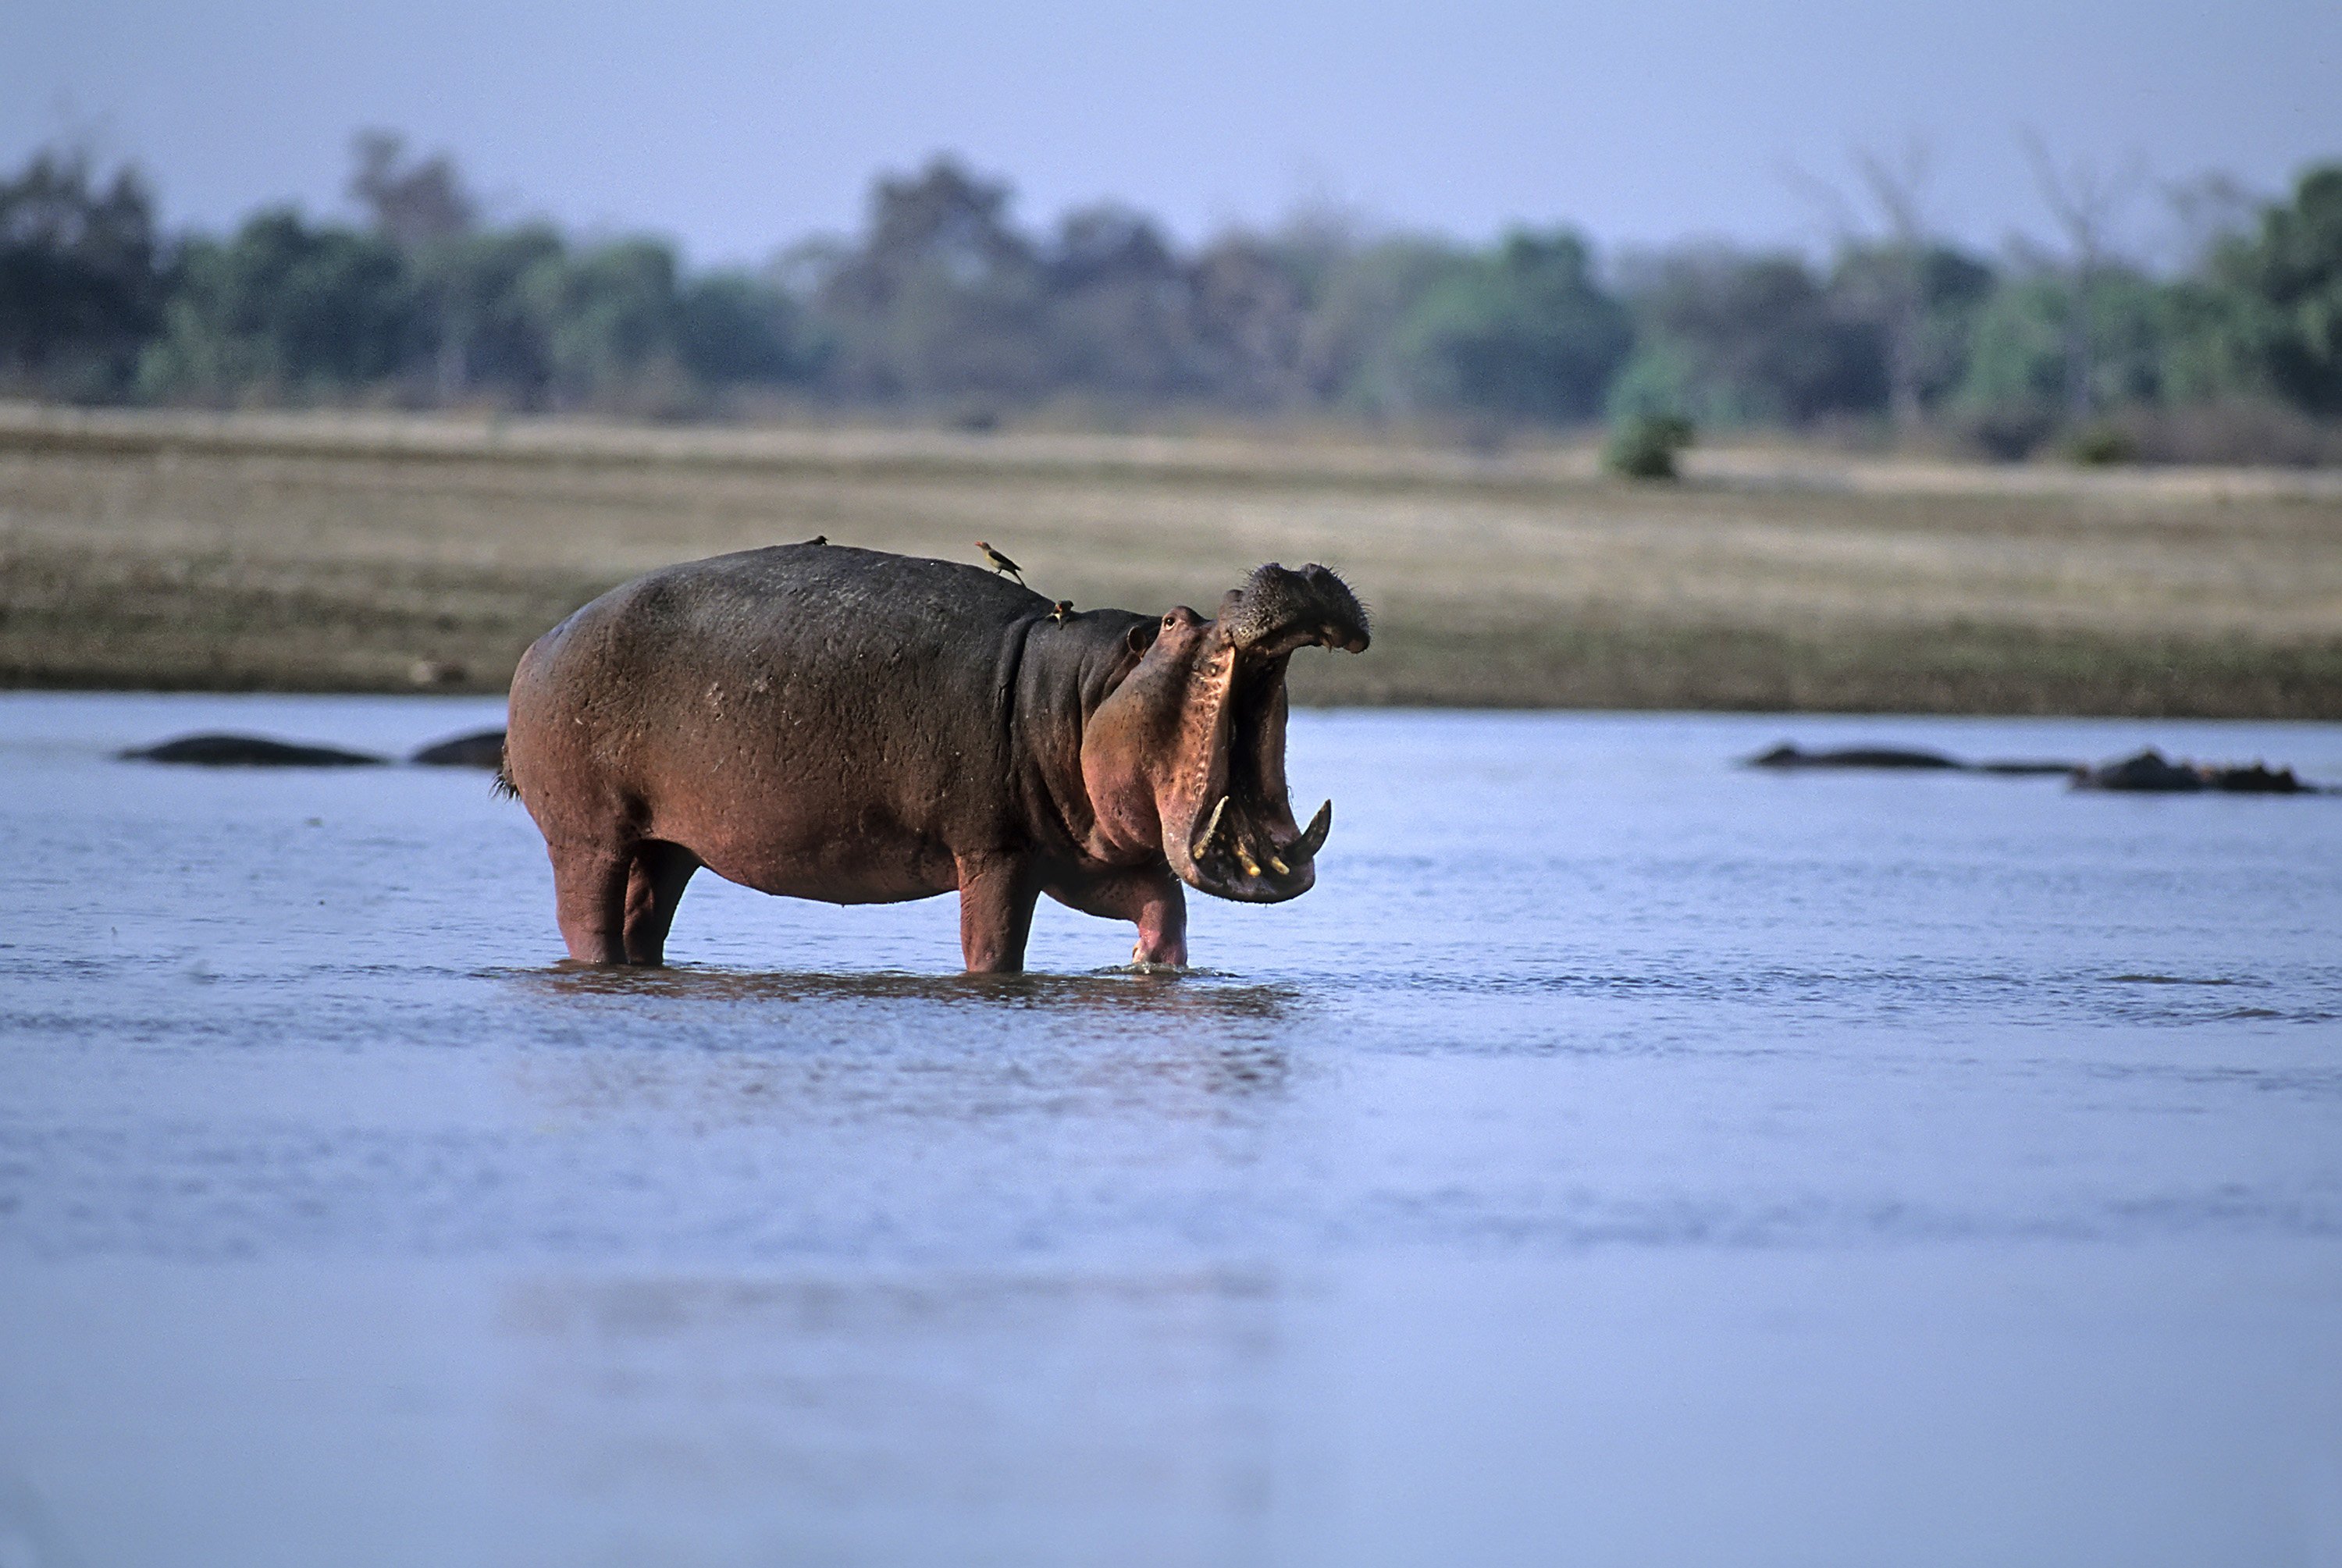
(859, 727)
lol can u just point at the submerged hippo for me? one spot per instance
(213, 750)
(2151, 773)
(858, 727)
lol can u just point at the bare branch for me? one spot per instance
(1896, 237)
(2206, 210)
(412, 205)
(1898, 189)
(2087, 202)
(1838, 214)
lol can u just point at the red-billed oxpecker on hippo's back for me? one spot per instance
(859, 727)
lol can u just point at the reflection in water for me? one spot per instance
(796, 1086)
(792, 1048)
(1200, 992)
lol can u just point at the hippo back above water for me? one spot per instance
(860, 727)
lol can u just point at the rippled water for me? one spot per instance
(1621, 1157)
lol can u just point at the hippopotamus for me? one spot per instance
(830, 723)
(480, 749)
(1895, 758)
(2150, 772)
(214, 749)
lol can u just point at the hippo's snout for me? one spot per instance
(1279, 610)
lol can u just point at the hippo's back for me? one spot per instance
(757, 705)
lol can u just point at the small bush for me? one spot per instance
(1644, 446)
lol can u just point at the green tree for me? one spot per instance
(611, 323)
(1926, 303)
(2021, 357)
(1726, 338)
(1524, 331)
(1352, 350)
(941, 298)
(1252, 317)
(284, 310)
(2288, 281)
(2213, 348)
(487, 332)
(737, 327)
(81, 278)
(1121, 315)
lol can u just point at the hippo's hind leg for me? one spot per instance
(589, 898)
(654, 887)
(616, 901)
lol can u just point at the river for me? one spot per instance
(1622, 1157)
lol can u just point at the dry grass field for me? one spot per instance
(369, 553)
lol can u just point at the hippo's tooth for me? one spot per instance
(1313, 838)
(1279, 866)
(1244, 859)
(1204, 842)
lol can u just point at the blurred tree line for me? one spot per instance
(944, 303)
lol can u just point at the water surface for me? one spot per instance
(1621, 1157)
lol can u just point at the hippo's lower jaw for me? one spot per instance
(1235, 857)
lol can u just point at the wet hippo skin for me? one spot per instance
(828, 722)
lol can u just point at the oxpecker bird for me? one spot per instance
(1001, 563)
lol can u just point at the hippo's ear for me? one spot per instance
(1142, 636)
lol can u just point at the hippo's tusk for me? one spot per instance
(1313, 838)
(1244, 859)
(1204, 843)
(1278, 867)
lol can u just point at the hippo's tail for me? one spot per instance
(504, 785)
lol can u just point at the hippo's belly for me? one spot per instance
(809, 843)
(788, 789)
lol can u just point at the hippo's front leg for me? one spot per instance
(1152, 900)
(996, 894)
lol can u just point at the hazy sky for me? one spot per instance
(734, 126)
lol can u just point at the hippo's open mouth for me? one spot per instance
(1239, 839)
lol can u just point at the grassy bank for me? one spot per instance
(370, 554)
